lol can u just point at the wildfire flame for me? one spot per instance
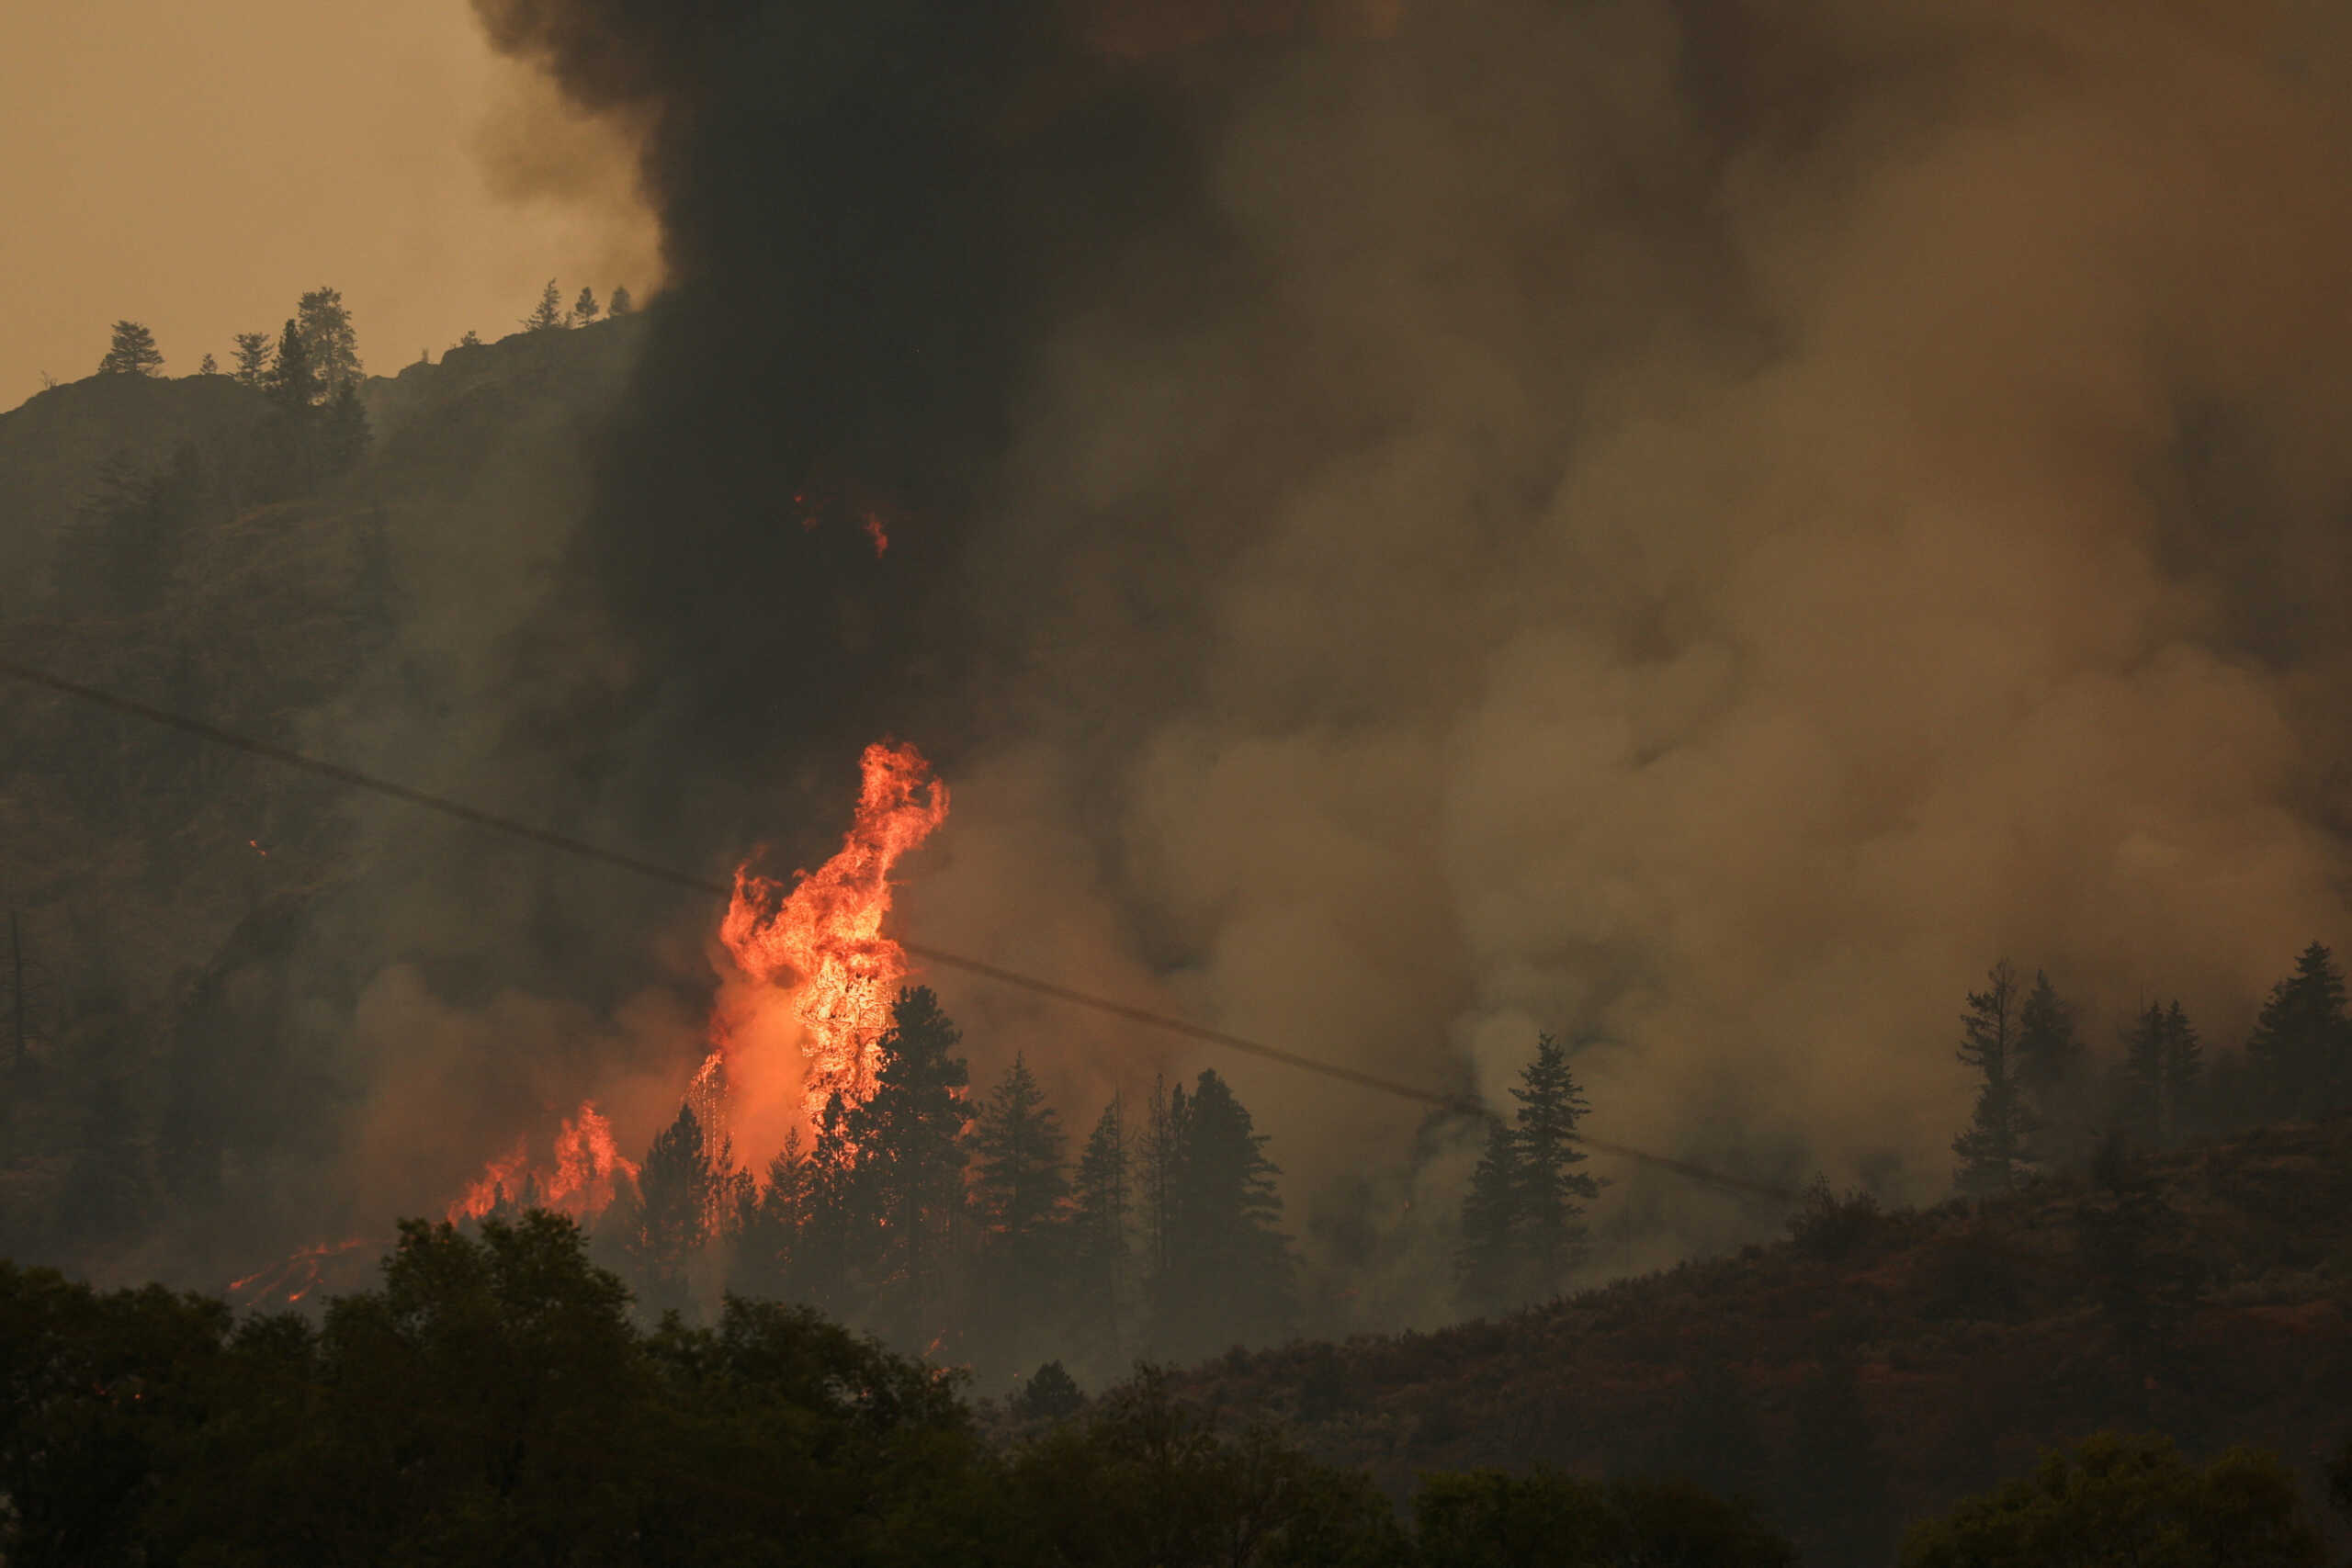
(298, 1275)
(578, 1180)
(822, 938)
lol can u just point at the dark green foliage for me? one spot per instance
(1836, 1487)
(2142, 1282)
(343, 430)
(1100, 1257)
(768, 1225)
(330, 343)
(1020, 1191)
(548, 314)
(1715, 1443)
(1488, 1266)
(677, 1190)
(254, 353)
(95, 1392)
(1522, 1220)
(2128, 1502)
(127, 543)
(1050, 1394)
(293, 380)
(1489, 1519)
(907, 1189)
(1148, 1482)
(1226, 1275)
(2053, 1071)
(2301, 1044)
(1018, 1180)
(2162, 1073)
(1552, 1192)
(1830, 1227)
(132, 351)
(1994, 1150)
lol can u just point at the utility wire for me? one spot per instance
(1165, 1024)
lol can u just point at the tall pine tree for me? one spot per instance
(1021, 1188)
(677, 1190)
(1490, 1267)
(2053, 1071)
(330, 340)
(1101, 1258)
(2301, 1044)
(1994, 1150)
(2163, 1062)
(1228, 1270)
(910, 1141)
(132, 351)
(1552, 1192)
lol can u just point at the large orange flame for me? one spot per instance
(578, 1178)
(822, 938)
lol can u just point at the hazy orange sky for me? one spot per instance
(197, 167)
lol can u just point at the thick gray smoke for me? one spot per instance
(1694, 528)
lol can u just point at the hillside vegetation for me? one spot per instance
(1875, 1367)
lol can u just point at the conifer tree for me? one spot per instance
(549, 314)
(345, 434)
(2051, 1071)
(2164, 1064)
(1021, 1190)
(1158, 1162)
(909, 1138)
(253, 356)
(331, 342)
(1489, 1269)
(585, 309)
(1993, 1149)
(1228, 1270)
(132, 353)
(2301, 1044)
(1552, 1192)
(1100, 1253)
(293, 382)
(208, 366)
(839, 1225)
(767, 1225)
(1019, 1183)
(677, 1191)
(622, 304)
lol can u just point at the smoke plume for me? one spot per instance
(1688, 525)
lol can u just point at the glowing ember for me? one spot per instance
(578, 1180)
(874, 530)
(297, 1276)
(823, 938)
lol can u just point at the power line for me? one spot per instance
(581, 848)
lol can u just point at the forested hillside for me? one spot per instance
(187, 929)
(1875, 1365)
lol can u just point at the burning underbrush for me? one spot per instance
(807, 979)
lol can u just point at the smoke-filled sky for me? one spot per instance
(1690, 524)
(197, 167)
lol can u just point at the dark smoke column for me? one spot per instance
(872, 209)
